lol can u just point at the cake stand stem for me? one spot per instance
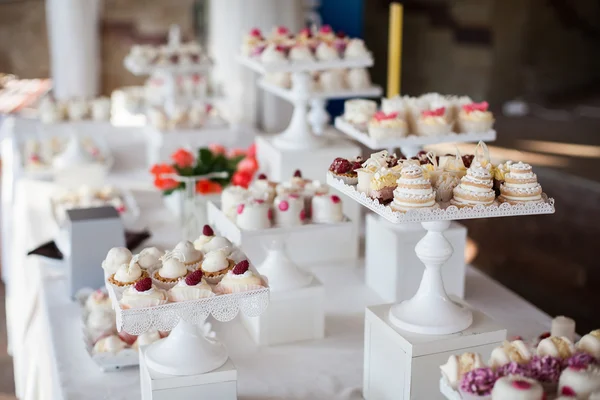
(318, 117)
(298, 136)
(410, 150)
(186, 351)
(281, 272)
(430, 311)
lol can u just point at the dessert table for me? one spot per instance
(46, 338)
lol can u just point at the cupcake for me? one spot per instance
(170, 273)
(188, 254)
(555, 346)
(345, 170)
(332, 80)
(387, 126)
(239, 279)
(215, 265)
(263, 188)
(433, 123)
(100, 323)
(478, 384)
(193, 287)
(110, 344)
(116, 257)
(475, 118)
(326, 52)
(127, 275)
(143, 294)
(301, 52)
(149, 258)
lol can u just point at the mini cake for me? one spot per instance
(231, 197)
(590, 344)
(254, 214)
(327, 209)
(116, 257)
(383, 183)
(239, 279)
(579, 382)
(289, 210)
(520, 185)
(444, 187)
(475, 117)
(433, 123)
(146, 339)
(301, 52)
(359, 111)
(332, 80)
(193, 287)
(316, 188)
(215, 265)
(252, 41)
(369, 167)
(457, 366)
(515, 351)
(98, 301)
(282, 79)
(170, 273)
(149, 258)
(262, 188)
(475, 188)
(77, 109)
(414, 190)
(394, 105)
(345, 170)
(517, 388)
(560, 347)
(326, 52)
(356, 49)
(110, 344)
(207, 235)
(581, 360)
(279, 34)
(387, 126)
(127, 275)
(358, 79)
(273, 54)
(477, 383)
(294, 186)
(188, 254)
(143, 294)
(326, 34)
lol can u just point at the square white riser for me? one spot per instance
(292, 316)
(218, 384)
(399, 365)
(392, 268)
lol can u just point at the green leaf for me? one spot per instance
(205, 156)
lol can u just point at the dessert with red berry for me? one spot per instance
(253, 214)
(193, 287)
(345, 170)
(289, 210)
(239, 279)
(579, 381)
(327, 209)
(143, 294)
(517, 387)
(263, 188)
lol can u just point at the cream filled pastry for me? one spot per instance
(359, 111)
(516, 387)
(414, 190)
(383, 183)
(127, 274)
(187, 253)
(579, 382)
(100, 323)
(520, 185)
(356, 49)
(116, 257)
(215, 265)
(98, 301)
(239, 279)
(515, 351)
(559, 347)
(143, 294)
(387, 126)
(218, 243)
(475, 187)
(149, 258)
(193, 287)
(433, 123)
(110, 344)
(170, 273)
(590, 344)
(457, 366)
(326, 52)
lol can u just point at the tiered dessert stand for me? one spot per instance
(430, 317)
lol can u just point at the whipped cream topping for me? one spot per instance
(128, 273)
(217, 243)
(245, 275)
(187, 250)
(433, 120)
(517, 186)
(519, 167)
(149, 257)
(525, 190)
(118, 256)
(412, 170)
(183, 283)
(520, 176)
(479, 171)
(172, 268)
(215, 261)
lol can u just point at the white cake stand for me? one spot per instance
(187, 350)
(430, 311)
(298, 135)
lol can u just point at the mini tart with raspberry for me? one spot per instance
(143, 294)
(170, 273)
(239, 279)
(193, 287)
(127, 275)
(345, 170)
(215, 265)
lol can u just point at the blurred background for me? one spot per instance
(537, 62)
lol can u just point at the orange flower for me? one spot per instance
(206, 187)
(165, 184)
(183, 158)
(242, 178)
(159, 169)
(216, 148)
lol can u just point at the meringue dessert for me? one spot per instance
(520, 185)
(187, 253)
(149, 258)
(98, 301)
(356, 49)
(515, 351)
(239, 279)
(559, 347)
(207, 235)
(215, 265)
(143, 294)
(475, 187)
(457, 366)
(110, 344)
(413, 190)
(99, 323)
(590, 344)
(193, 287)
(262, 188)
(127, 275)
(116, 257)
(170, 273)
(218, 243)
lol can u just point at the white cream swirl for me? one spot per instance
(215, 261)
(128, 273)
(172, 268)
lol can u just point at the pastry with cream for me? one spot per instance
(520, 185)
(356, 49)
(475, 187)
(590, 344)
(475, 118)
(218, 243)
(301, 53)
(252, 41)
(516, 387)
(126, 275)
(262, 188)
(477, 384)
(239, 279)
(387, 126)
(143, 294)
(98, 301)
(559, 347)
(383, 183)
(579, 382)
(215, 265)
(149, 258)
(515, 351)
(457, 366)
(110, 344)
(274, 54)
(188, 254)
(207, 235)
(231, 197)
(413, 190)
(116, 257)
(193, 287)
(371, 165)
(100, 323)
(326, 52)
(170, 273)
(332, 80)
(345, 170)
(358, 79)
(146, 339)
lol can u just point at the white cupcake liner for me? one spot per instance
(213, 280)
(348, 180)
(194, 266)
(433, 129)
(164, 285)
(188, 295)
(468, 126)
(143, 302)
(227, 289)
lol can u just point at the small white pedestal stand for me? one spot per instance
(186, 352)
(327, 242)
(430, 312)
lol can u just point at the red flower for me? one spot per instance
(160, 169)
(207, 187)
(242, 178)
(251, 152)
(165, 183)
(236, 153)
(216, 148)
(248, 164)
(183, 158)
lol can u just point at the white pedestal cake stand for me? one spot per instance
(298, 135)
(187, 351)
(430, 311)
(411, 144)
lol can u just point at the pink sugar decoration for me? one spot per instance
(567, 391)
(121, 209)
(483, 106)
(284, 205)
(335, 199)
(240, 208)
(381, 116)
(260, 201)
(438, 112)
(522, 385)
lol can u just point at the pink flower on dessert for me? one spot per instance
(236, 153)
(216, 148)
(381, 116)
(205, 186)
(240, 208)
(438, 112)
(335, 199)
(483, 106)
(284, 205)
(183, 158)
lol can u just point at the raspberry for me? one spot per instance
(341, 166)
(356, 165)
(335, 199)
(297, 174)
(207, 231)
(143, 285)
(194, 278)
(262, 177)
(241, 267)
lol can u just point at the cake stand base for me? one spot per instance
(281, 272)
(186, 351)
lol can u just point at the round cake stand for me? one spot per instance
(430, 311)
(298, 135)
(186, 351)
(281, 272)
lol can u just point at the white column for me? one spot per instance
(74, 41)
(228, 21)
